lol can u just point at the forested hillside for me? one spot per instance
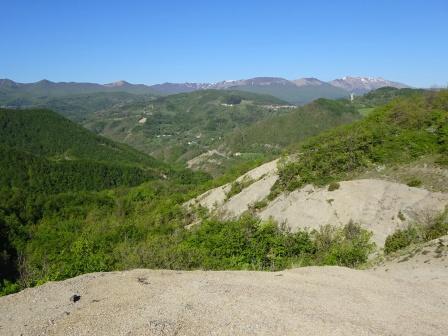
(80, 107)
(45, 133)
(181, 126)
(276, 133)
(53, 167)
(367, 102)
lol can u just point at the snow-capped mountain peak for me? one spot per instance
(361, 85)
(310, 81)
(117, 84)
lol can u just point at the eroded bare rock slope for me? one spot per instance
(378, 205)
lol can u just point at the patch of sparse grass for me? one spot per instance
(238, 186)
(366, 111)
(258, 205)
(442, 160)
(427, 169)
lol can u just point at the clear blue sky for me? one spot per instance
(202, 41)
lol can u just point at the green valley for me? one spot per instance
(179, 127)
(74, 202)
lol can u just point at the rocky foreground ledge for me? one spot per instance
(405, 296)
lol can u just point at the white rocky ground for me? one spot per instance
(379, 206)
(405, 296)
(264, 177)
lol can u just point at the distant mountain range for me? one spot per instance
(361, 85)
(53, 89)
(299, 92)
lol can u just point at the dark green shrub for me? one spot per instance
(333, 186)
(247, 243)
(7, 287)
(437, 228)
(415, 182)
(348, 246)
(400, 239)
(261, 204)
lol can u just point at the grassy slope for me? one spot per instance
(281, 131)
(399, 132)
(383, 96)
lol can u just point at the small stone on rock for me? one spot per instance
(75, 298)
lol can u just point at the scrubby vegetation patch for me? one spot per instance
(417, 233)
